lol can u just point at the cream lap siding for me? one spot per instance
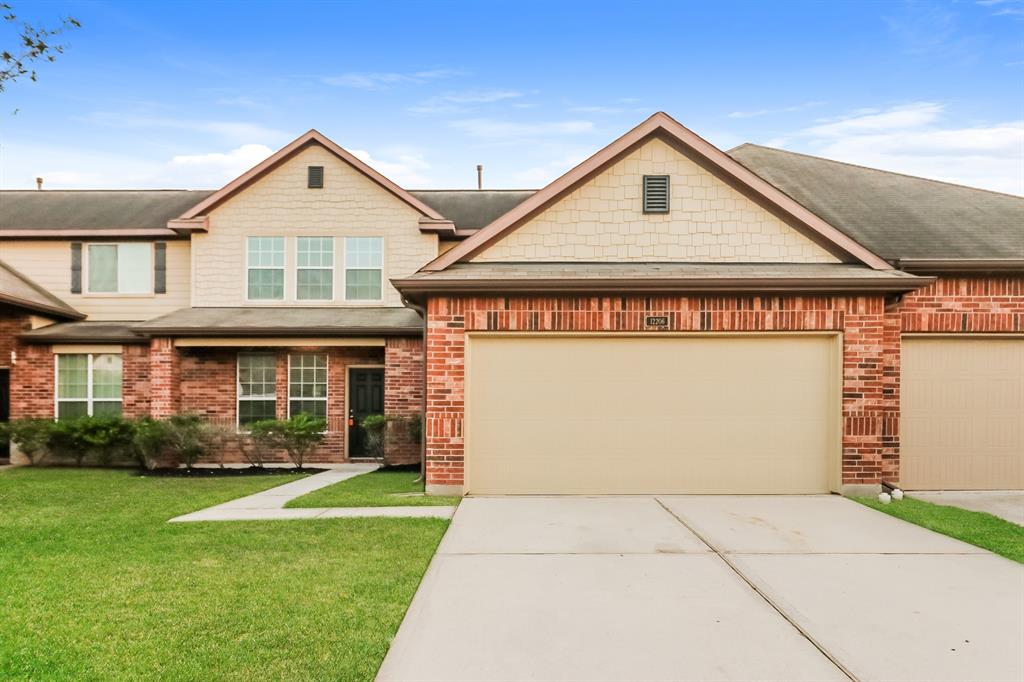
(708, 221)
(48, 264)
(281, 204)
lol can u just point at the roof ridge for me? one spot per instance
(875, 170)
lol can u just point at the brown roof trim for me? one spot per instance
(278, 331)
(659, 123)
(112, 233)
(64, 313)
(948, 265)
(189, 225)
(443, 227)
(286, 152)
(81, 338)
(414, 287)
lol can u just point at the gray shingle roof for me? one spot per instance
(94, 209)
(18, 290)
(275, 321)
(85, 332)
(896, 216)
(472, 209)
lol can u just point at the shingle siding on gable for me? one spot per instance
(281, 204)
(709, 221)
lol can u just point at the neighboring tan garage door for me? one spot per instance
(700, 414)
(962, 414)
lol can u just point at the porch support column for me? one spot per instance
(403, 396)
(164, 378)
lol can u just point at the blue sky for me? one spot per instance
(190, 94)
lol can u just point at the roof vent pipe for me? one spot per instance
(39, 183)
(479, 176)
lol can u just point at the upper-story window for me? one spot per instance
(314, 269)
(120, 268)
(265, 268)
(364, 268)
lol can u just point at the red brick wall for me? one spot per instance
(12, 323)
(208, 387)
(965, 304)
(870, 366)
(403, 395)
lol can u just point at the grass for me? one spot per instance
(397, 488)
(977, 528)
(94, 584)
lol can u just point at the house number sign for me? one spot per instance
(656, 321)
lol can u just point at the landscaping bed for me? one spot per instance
(395, 487)
(976, 528)
(97, 585)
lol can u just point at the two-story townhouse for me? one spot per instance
(665, 317)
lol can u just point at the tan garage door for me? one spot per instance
(615, 415)
(963, 413)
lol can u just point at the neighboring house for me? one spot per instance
(665, 317)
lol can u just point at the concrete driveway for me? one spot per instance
(706, 588)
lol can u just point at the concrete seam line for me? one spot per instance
(768, 600)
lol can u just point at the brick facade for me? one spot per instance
(403, 395)
(871, 348)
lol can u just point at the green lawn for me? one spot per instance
(977, 528)
(94, 584)
(395, 488)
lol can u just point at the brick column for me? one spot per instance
(403, 394)
(164, 378)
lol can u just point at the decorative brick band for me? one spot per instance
(969, 304)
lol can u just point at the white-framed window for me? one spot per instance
(119, 268)
(314, 268)
(257, 387)
(364, 268)
(88, 384)
(307, 384)
(264, 265)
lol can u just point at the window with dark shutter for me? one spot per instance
(76, 267)
(160, 268)
(316, 177)
(655, 194)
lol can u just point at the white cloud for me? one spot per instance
(507, 130)
(384, 80)
(539, 176)
(766, 112)
(911, 139)
(218, 168)
(232, 131)
(897, 118)
(406, 169)
(452, 102)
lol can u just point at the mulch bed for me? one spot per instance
(217, 472)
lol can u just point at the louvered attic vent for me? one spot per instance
(316, 177)
(655, 194)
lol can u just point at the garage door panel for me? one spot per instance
(962, 413)
(642, 415)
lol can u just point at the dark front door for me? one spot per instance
(5, 409)
(365, 397)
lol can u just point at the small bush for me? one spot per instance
(376, 428)
(297, 436)
(32, 436)
(190, 437)
(150, 441)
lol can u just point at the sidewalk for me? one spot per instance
(269, 504)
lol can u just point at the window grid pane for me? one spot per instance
(266, 284)
(363, 285)
(265, 278)
(307, 384)
(134, 268)
(257, 376)
(364, 252)
(77, 396)
(72, 377)
(315, 285)
(106, 377)
(315, 252)
(267, 252)
(103, 268)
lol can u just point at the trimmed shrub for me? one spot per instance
(297, 436)
(32, 436)
(376, 428)
(190, 437)
(150, 441)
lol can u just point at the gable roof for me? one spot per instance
(671, 131)
(18, 290)
(899, 217)
(288, 151)
(85, 213)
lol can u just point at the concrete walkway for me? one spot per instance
(706, 588)
(1006, 504)
(269, 504)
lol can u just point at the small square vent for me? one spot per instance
(655, 194)
(316, 177)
